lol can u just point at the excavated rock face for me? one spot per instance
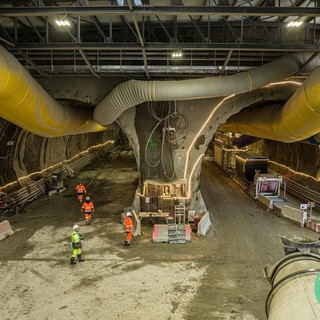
(299, 157)
(22, 152)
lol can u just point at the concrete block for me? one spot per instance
(292, 213)
(265, 201)
(5, 229)
(160, 233)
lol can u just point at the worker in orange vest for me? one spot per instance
(88, 209)
(80, 188)
(128, 226)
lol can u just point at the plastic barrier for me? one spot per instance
(5, 229)
(204, 225)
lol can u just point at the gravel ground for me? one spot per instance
(217, 277)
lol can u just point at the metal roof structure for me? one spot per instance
(149, 39)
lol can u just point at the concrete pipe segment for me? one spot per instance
(295, 289)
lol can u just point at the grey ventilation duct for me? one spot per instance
(134, 92)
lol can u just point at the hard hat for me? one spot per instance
(75, 227)
(128, 214)
(87, 198)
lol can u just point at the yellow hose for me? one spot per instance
(25, 103)
(299, 119)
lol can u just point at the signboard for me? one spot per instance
(303, 206)
(147, 200)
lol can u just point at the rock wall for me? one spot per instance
(299, 157)
(22, 152)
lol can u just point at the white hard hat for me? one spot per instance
(87, 198)
(75, 227)
(128, 214)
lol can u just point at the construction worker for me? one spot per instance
(128, 226)
(76, 245)
(88, 209)
(80, 188)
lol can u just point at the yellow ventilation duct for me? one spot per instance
(25, 103)
(299, 119)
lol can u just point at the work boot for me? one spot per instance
(72, 262)
(80, 259)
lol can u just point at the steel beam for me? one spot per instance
(160, 10)
(145, 62)
(169, 46)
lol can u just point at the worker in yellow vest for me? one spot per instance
(76, 238)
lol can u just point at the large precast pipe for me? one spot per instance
(134, 92)
(297, 120)
(25, 103)
(293, 293)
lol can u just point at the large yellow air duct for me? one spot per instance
(299, 119)
(25, 103)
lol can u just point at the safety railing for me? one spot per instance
(301, 192)
(17, 200)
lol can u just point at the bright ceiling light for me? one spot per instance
(294, 24)
(63, 23)
(177, 54)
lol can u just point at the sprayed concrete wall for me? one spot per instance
(22, 152)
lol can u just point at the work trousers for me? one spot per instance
(87, 216)
(76, 252)
(129, 237)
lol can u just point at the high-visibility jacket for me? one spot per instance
(87, 207)
(80, 188)
(76, 237)
(128, 224)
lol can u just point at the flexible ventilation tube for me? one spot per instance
(134, 92)
(299, 119)
(25, 103)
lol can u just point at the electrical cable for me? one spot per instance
(146, 148)
(160, 120)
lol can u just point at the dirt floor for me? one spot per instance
(217, 277)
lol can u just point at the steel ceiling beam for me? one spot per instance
(169, 46)
(226, 62)
(145, 62)
(160, 10)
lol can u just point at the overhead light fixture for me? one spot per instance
(63, 23)
(177, 54)
(294, 23)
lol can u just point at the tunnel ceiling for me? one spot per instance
(142, 39)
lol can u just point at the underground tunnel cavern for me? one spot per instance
(136, 98)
